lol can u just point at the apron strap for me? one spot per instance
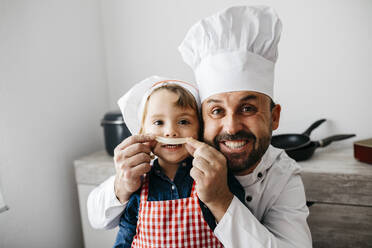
(145, 188)
(193, 190)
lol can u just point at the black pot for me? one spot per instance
(114, 129)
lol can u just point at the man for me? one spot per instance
(232, 54)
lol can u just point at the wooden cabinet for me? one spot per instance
(93, 238)
(340, 191)
(90, 171)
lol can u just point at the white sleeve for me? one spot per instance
(284, 224)
(104, 209)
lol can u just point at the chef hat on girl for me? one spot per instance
(234, 50)
(132, 104)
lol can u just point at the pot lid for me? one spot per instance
(113, 117)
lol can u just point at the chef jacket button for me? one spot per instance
(259, 175)
(173, 187)
(248, 198)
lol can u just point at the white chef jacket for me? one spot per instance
(275, 217)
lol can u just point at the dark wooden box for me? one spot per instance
(363, 150)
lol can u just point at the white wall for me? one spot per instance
(53, 93)
(323, 68)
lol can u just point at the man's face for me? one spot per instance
(239, 124)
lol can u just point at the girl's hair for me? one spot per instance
(185, 100)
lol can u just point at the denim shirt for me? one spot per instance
(161, 188)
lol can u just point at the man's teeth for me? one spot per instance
(235, 144)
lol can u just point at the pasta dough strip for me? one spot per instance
(171, 141)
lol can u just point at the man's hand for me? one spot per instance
(132, 161)
(210, 174)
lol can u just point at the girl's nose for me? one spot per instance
(171, 132)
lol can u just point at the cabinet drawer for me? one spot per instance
(349, 189)
(339, 226)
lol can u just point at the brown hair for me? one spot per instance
(185, 100)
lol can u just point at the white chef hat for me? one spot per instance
(132, 104)
(234, 50)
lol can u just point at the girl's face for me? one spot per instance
(164, 118)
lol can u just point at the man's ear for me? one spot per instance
(275, 116)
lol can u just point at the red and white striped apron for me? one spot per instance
(172, 223)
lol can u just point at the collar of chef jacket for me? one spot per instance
(260, 171)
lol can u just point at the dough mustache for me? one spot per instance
(171, 141)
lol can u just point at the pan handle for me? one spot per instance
(325, 142)
(313, 126)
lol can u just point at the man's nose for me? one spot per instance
(232, 124)
(170, 131)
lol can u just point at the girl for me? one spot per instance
(165, 211)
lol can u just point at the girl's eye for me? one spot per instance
(184, 122)
(158, 123)
(216, 111)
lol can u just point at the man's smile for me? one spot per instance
(234, 146)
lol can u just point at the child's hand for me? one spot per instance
(132, 160)
(210, 174)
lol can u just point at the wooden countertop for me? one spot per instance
(94, 168)
(331, 175)
(335, 161)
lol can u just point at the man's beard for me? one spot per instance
(243, 161)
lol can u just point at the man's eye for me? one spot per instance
(248, 109)
(158, 123)
(184, 122)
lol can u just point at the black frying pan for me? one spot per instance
(307, 151)
(294, 141)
